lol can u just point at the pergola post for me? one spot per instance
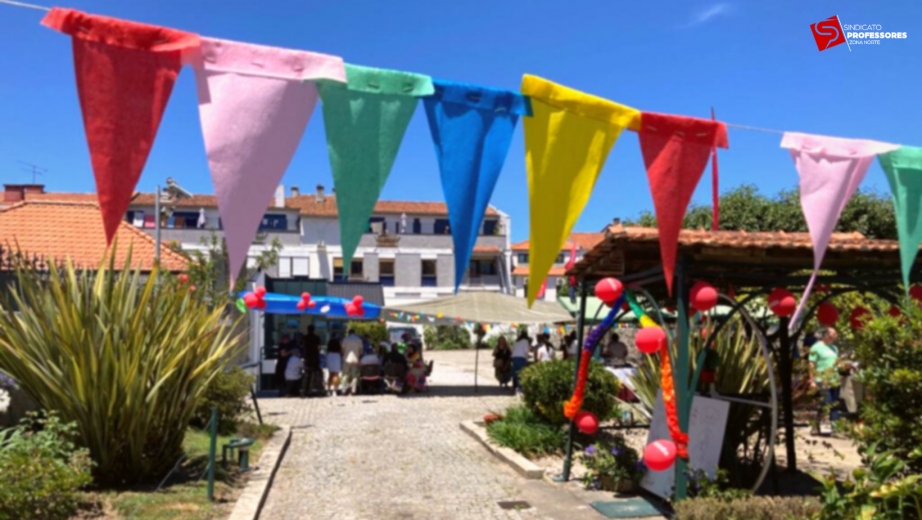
(787, 401)
(684, 394)
(580, 322)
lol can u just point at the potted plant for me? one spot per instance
(613, 467)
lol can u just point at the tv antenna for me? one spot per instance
(34, 169)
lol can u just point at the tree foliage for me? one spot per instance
(746, 209)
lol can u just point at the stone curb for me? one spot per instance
(253, 498)
(523, 466)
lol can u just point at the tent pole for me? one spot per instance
(476, 361)
(580, 321)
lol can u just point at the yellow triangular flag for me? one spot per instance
(567, 140)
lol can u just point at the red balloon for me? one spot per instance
(915, 292)
(360, 311)
(895, 311)
(650, 340)
(358, 300)
(587, 422)
(782, 302)
(311, 305)
(659, 455)
(191, 288)
(350, 308)
(183, 278)
(703, 296)
(306, 296)
(261, 305)
(302, 305)
(827, 314)
(260, 291)
(608, 290)
(822, 288)
(858, 317)
(250, 300)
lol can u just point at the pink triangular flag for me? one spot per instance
(830, 169)
(254, 104)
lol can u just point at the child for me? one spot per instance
(293, 373)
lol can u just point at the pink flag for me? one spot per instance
(830, 169)
(254, 104)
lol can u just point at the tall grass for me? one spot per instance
(125, 356)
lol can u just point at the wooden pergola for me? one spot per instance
(752, 264)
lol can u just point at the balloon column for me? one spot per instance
(662, 453)
(610, 291)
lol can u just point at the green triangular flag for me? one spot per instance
(904, 172)
(365, 120)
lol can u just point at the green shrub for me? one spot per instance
(523, 431)
(750, 508)
(375, 330)
(547, 386)
(42, 470)
(615, 460)
(229, 391)
(890, 355)
(446, 337)
(126, 359)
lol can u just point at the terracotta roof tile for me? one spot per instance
(584, 242)
(689, 237)
(522, 270)
(74, 230)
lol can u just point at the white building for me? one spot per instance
(555, 279)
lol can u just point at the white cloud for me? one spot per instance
(707, 13)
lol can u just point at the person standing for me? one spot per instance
(545, 351)
(824, 375)
(614, 354)
(353, 348)
(334, 364)
(520, 351)
(502, 361)
(283, 352)
(293, 373)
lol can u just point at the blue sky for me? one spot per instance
(755, 62)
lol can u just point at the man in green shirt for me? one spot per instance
(824, 375)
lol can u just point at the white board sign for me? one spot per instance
(708, 422)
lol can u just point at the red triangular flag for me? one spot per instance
(676, 151)
(125, 75)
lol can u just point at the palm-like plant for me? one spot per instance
(124, 357)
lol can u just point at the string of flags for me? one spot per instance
(256, 101)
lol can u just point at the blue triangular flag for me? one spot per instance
(472, 128)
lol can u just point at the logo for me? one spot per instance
(828, 33)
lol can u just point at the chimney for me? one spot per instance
(320, 196)
(280, 196)
(295, 192)
(13, 193)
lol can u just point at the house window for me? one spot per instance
(274, 223)
(489, 227)
(338, 270)
(299, 267)
(521, 259)
(430, 275)
(355, 270)
(442, 227)
(185, 219)
(479, 268)
(417, 227)
(285, 267)
(561, 258)
(386, 273)
(377, 220)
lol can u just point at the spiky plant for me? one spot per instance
(126, 356)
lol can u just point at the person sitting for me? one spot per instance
(395, 370)
(370, 358)
(293, 373)
(615, 352)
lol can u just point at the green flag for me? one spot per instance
(365, 120)
(904, 172)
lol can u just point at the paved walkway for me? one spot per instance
(387, 457)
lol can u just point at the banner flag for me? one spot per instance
(472, 128)
(830, 170)
(675, 151)
(567, 140)
(365, 120)
(904, 173)
(254, 105)
(125, 75)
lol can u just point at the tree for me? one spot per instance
(746, 209)
(208, 269)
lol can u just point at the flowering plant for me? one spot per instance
(615, 463)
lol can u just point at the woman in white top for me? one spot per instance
(520, 350)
